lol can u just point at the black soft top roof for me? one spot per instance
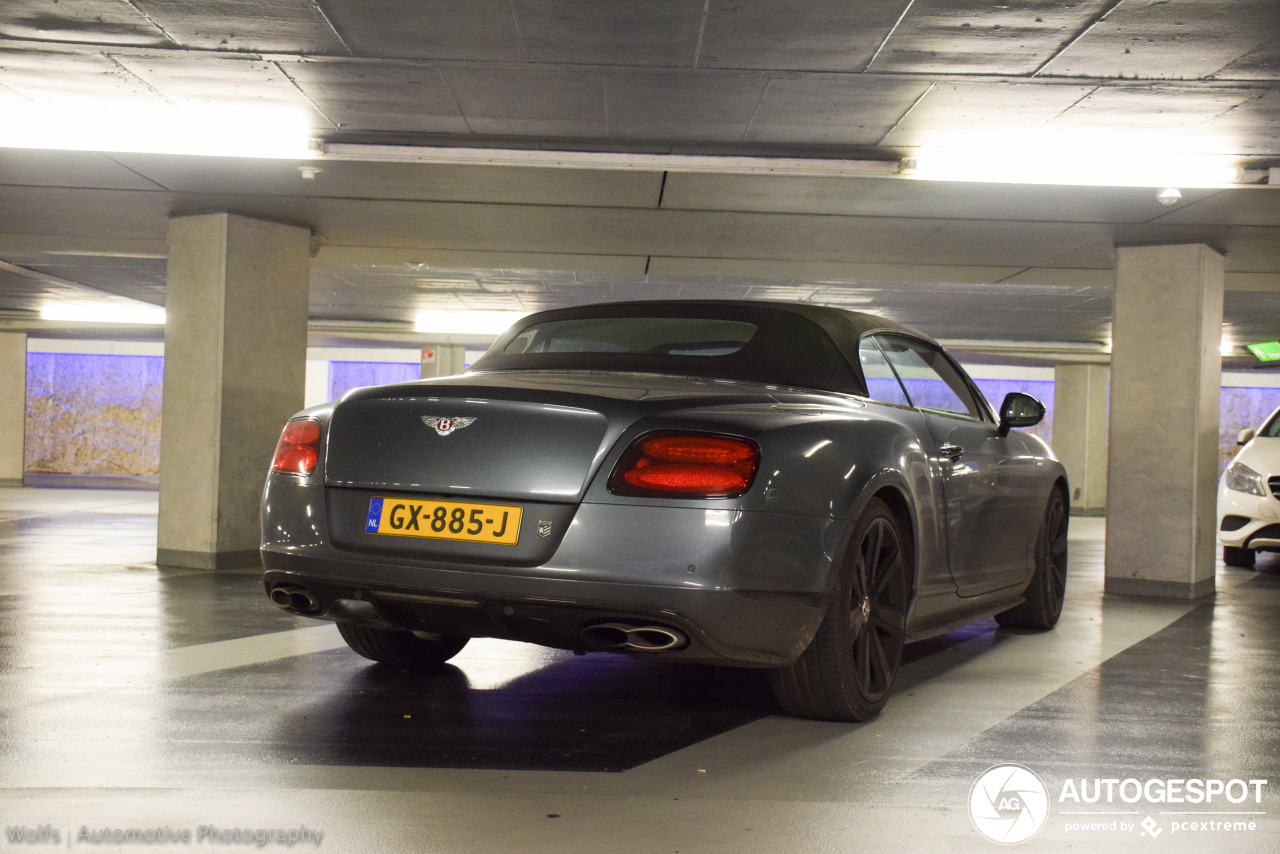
(796, 344)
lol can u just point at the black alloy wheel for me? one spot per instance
(1044, 596)
(877, 617)
(848, 671)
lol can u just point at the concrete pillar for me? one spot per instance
(1080, 433)
(1166, 369)
(235, 361)
(13, 406)
(442, 360)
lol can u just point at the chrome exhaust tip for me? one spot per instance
(295, 599)
(638, 638)
(304, 602)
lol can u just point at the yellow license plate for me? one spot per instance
(445, 520)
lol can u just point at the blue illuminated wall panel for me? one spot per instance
(90, 414)
(100, 414)
(344, 376)
(1240, 408)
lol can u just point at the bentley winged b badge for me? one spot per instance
(445, 426)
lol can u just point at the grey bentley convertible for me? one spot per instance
(754, 484)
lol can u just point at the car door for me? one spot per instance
(884, 388)
(988, 521)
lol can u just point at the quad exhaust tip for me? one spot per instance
(630, 636)
(295, 599)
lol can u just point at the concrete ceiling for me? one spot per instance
(647, 84)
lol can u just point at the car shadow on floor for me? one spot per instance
(598, 713)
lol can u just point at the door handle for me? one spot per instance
(951, 452)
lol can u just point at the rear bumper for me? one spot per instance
(745, 589)
(722, 627)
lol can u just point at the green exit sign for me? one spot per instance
(1267, 351)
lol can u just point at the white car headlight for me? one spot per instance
(1241, 478)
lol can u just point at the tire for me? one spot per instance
(849, 668)
(1043, 603)
(1238, 557)
(403, 649)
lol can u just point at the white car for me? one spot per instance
(1249, 496)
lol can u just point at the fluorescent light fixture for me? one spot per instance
(624, 161)
(104, 312)
(1265, 351)
(443, 321)
(213, 130)
(1068, 159)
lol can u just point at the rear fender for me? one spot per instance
(891, 487)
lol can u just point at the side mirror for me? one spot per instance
(1245, 436)
(1019, 410)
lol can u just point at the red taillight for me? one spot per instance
(692, 465)
(298, 450)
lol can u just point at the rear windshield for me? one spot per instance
(752, 341)
(659, 336)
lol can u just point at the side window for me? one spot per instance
(1272, 428)
(930, 379)
(882, 385)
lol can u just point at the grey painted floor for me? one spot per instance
(146, 700)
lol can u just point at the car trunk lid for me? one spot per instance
(517, 445)
(454, 441)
